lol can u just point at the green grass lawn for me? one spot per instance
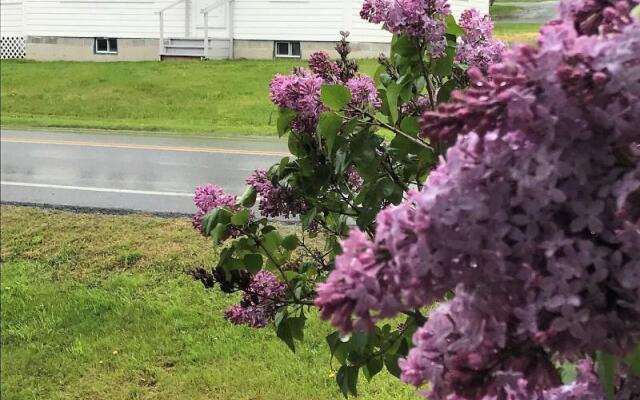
(194, 98)
(98, 307)
(503, 11)
(517, 32)
(218, 97)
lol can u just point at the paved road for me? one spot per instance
(142, 173)
(531, 12)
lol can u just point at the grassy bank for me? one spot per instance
(98, 307)
(504, 11)
(517, 32)
(196, 98)
(214, 97)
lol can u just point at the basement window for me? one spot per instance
(106, 46)
(288, 49)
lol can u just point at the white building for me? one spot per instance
(116, 30)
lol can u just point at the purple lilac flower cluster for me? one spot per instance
(416, 107)
(354, 180)
(420, 19)
(207, 198)
(260, 301)
(322, 65)
(533, 218)
(300, 92)
(275, 200)
(363, 92)
(478, 48)
(598, 16)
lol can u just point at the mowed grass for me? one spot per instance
(192, 97)
(517, 32)
(99, 307)
(213, 98)
(503, 11)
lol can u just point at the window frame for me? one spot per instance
(108, 41)
(289, 44)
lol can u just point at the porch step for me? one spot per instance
(194, 48)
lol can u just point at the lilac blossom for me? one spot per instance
(300, 92)
(354, 180)
(419, 19)
(478, 48)
(416, 107)
(364, 92)
(260, 301)
(533, 217)
(207, 198)
(591, 17)
(275, 200)
(322, 65)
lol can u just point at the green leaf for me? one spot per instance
(248, 198)
(443, 66)
(633, 360)
(284, 333)
(296, 146)
(241, 217)
(283, 165)
(285, 117)
(336, 97)
(568, 372)
(218, 233)
(444, 94)
(333, 340)
(358, 341)
(410, 125)
(341, 161)
(253, 262)
(347, 380)
(393, 92)
(210, 221)
(404, 46)
(452, 26)
(607, 368)
(329, 126)
(341, 380)
(308, 218)
(391, 362)
(290, 242)
(296, 325)
(352, 380)
(635, 12)
(271, 241)
(372, 368)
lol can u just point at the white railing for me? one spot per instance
(205, 12)
(187, 21)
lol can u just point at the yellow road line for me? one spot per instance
(148, 147)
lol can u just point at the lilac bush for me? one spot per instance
(418, 19)
(528, 219)
(260, 301)
(487, 240)
(478, 48)
(207, 198)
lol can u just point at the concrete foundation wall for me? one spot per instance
(47, 48)
(263, 49)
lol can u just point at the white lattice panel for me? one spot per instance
(12, 47)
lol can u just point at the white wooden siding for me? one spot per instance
(304, 20)
(316, 20)
(11, 17)
(95, 18)
(307, 20)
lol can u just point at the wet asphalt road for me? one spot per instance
(123, 172)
